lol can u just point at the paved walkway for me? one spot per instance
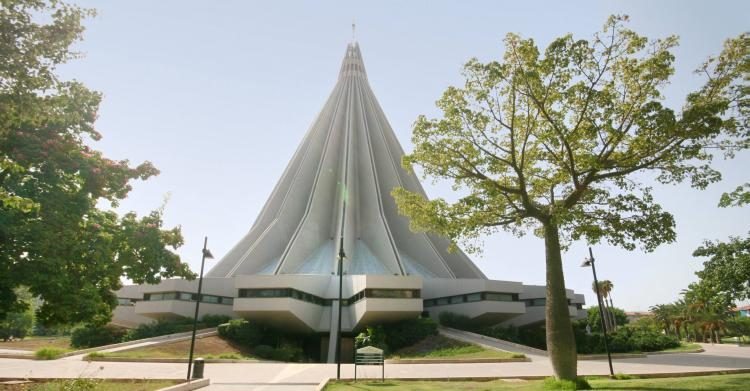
(16, 351)
(281, 376)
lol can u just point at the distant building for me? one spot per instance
(635, 315)
(336, 191)
(743, 311)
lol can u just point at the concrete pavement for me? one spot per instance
(283, 376)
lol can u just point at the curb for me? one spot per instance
(659, 375)
(29, 356)
(323, 383)
(589, 357)
(615, 356)
(701, 350)
(457, 361)
(173, 360)
(188, 386)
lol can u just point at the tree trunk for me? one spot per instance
(561, 345)
(604, 315)
(614, 317)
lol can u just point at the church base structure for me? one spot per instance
(308, 303)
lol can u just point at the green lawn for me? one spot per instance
(715, 383)
(91, 385)
(440, 347)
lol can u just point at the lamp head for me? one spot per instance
(587, 262)
(207, 254)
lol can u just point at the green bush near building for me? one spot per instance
(172, 326)
(269, 343)
(397, 335)
(49, 353)
(626, 339)
(90, 336)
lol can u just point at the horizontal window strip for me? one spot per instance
(310, 298)
(188, 296)
(471, 297)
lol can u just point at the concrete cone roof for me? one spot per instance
(338, 183)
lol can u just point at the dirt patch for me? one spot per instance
(37, 343)
(208, 347)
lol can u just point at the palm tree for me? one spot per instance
(663, 314)
(599, 290)
(607, 287)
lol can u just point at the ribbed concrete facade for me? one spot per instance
(338, 184)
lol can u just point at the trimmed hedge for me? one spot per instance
(624, 340)
(90, 336)
(172, 326)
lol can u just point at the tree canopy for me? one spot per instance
(550, 141)
(54, 238)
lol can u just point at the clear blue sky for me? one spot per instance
(218, 95)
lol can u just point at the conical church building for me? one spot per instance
(334, 198)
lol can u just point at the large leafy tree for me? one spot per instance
(728, 265)
(551, 142)
(53, 237)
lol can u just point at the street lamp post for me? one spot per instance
(342, 255)
(590, 262)
(206, 254)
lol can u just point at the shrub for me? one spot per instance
(594, 319)
(209, 320)
(456, 321)
(43, 331)
(48, 353)
(173, 326)
(534, 336)
(285, 352)
(95, 355)
(738, 326)
(624, 340)
(16, 325)
(408, 332)
(372, 336)
(397, 335)
(551, 383)
(90, 336)
(159, 328)
(79, 384)
(241, 331)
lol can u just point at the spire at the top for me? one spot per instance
(354, 27)
(352, 64)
